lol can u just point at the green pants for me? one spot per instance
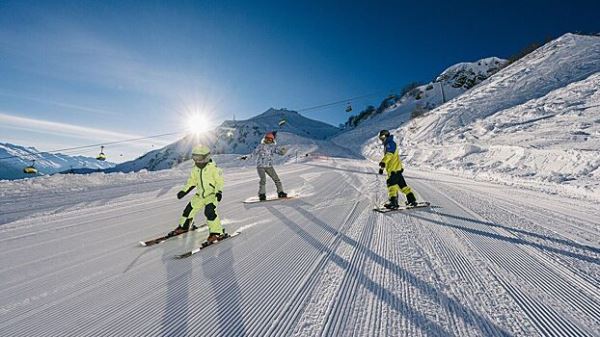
(209, 205)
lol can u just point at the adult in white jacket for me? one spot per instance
(264, 153)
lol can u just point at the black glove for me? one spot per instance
(380, 171)
(382, 164)
(181, 194)
(219, 195)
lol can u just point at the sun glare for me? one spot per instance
(197, 124)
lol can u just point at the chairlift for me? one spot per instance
(31, 168)
(348, 107)
(101, 156)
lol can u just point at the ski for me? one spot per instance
(163, 238)
(382, 209)
(255, 200)
(206, 244)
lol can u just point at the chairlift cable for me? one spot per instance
(92, 145)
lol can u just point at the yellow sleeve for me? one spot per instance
(387, 157)
(191, 182)
(219, 181)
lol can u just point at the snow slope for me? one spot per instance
(452, 82)
(15, 158)
(568, 59)
(534, 123)
(299, 134)
(481, 262)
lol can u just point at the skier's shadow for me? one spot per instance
(516, 239)
(421, 320)
(226, 291)
(175, 316)
(130, 265)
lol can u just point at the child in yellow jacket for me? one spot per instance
(207, 178)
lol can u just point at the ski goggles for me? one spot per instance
(201, 158)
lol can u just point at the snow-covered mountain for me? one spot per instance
(300, 135)
(466, 75)
(538, 118)
(393, 112)
(15, 158)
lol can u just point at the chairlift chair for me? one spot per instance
(101, 156)
(31, 168)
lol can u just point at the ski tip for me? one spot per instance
(230, 235)
(142, 243)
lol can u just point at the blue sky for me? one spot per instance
(77, 73)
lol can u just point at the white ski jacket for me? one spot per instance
(264, 154)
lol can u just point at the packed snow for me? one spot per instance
(479, 262)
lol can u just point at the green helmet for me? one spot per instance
(201, 150)
(201, 154)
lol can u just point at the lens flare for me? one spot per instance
(197, 124)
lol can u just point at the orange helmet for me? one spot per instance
(270, 136)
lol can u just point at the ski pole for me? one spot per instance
(377, 186)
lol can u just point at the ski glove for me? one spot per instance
(182, 194)
(382, 166)
(219, 195)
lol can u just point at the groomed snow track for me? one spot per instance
(485, 260)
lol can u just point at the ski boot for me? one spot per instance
(282, 194)
(182, 229)
(213, 237)
(392, 204)
(262, 197)
(411, 201)
(177, 231)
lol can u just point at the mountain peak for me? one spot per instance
(274, 111)
(469, 74)
(239, 136)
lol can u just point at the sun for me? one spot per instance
(197, 123)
